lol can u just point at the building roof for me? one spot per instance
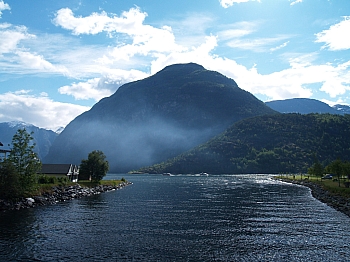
(56, 168)
(4, 151)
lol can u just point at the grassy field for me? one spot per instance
(331, 185)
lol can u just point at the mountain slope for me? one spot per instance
(302, 106)
(267, 144)
(42, 138)
(342, 109)
(150, 120)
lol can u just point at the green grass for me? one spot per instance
(88, 183)
(47, 188)
(331, 185)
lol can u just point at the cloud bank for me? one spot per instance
(40, 110)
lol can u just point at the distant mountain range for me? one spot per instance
(43, 138)
(156, 118)
(282, 143)
(306, 106)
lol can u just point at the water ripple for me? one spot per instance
(181, 218)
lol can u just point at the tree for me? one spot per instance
(95, 167)
(24, 160)
(9, 181)
(316, 169)
(336, 167)
(346, 169)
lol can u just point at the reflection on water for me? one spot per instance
(181, 218)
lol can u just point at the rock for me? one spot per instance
(58, 194)
(30, 201)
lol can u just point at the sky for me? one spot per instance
(59, 58)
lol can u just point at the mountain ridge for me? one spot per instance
(43, 138)
(306, 106)
(271, 144)
(158, 117)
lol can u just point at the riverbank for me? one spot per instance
(333, 200)
(59, 194)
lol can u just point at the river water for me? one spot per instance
(181, 218)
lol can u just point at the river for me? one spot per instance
(181, 218)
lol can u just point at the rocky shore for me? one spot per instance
(335, 201)
(58, 194)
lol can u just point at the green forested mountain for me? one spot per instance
(267, 144)
(148, 121)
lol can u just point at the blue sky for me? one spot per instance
(58, 58)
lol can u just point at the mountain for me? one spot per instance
(283, 143)
(342, 109)
(302, 106)
(41, 137)
(150, 120)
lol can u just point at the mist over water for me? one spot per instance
(181, 218)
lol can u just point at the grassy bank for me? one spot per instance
(87, 183)
(48, 188)
(330, 185)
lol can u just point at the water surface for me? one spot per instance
(181, 218)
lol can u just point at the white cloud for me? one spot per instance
(296, 2)
(99, 70)
(3, 6)
(94, 88)
(200, 55)
(339, 101)
(129, 23)
(38, 110)
(144, 39)
(237, 30)
(337, 36)
(279, 47)
(256, 44)
(38, 63)
(289, 83)
(16, 58)
(228, 3)
(10, 36)
(98, 88)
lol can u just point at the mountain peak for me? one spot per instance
(189, 67)
(18, 124)
(150, 120)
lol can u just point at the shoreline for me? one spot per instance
(58, 194)
(337, 202)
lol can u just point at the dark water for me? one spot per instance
(181, 218)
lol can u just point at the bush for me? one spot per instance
(63, 181)
(10, 187)
(44, 179)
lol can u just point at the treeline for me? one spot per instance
(282, 143)
(19, 172)
(337, 169)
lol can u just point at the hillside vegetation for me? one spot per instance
(148, 121)
(283, 143)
